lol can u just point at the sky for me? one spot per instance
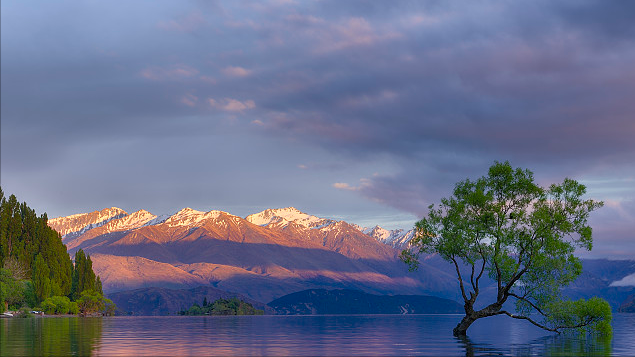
(365, 111)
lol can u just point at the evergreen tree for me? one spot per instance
(83, 276)
(24, 237)
(41, 280)
(98, 287)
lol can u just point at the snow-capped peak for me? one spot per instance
(397, 238)
(191, 217)
(131, 221)
(281, 217)
(79, 223)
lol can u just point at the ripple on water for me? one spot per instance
(361, 335)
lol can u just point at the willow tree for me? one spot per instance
(523, 237)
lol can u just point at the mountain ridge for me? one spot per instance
(288, 250)
(70, 226)
(276, 252)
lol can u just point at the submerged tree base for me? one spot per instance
(523, 237)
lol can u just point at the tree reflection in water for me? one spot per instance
(62, 336)
(552, 345)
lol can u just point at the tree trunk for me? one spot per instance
(461, 328)
(471, 316)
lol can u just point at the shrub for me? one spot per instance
(56, 305)
(73, 308)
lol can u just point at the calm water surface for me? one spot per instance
(362, 335)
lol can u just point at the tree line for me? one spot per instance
(36, 269)
(232, 306)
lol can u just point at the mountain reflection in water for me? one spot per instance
(360, 335)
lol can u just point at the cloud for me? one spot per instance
(438, 90)
(188, 23)
(208, 79)
(232, 71)
(189, 100)
(175, 72)
(628, 280)
(352, 32)
(345, 186)
(232, 105)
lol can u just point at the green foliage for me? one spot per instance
(232, 306)
(41, 280)
(521, 235)
(591, 316)
(92, 302)
(30, 299)
(83, 276)
(24, 237)
(73, 308)
(11, 290)
(30, 249)
(57, 305)
(24, 312)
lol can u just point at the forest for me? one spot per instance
(36, 271)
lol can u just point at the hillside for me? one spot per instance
(342, 301)
(264, 256)
(276, 252)
(162, 301)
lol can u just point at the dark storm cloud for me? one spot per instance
(436, 89)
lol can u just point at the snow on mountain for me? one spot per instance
(115, 219)
(281, 217)
(193, 218)
(131, 221)
(77, 224)
(397, 238)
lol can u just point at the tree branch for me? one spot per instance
(555, 329)
(458, 272)
(472, 280)
(529, 302)
(520, 317)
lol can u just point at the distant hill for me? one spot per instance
(612, 280)
(163, 301)
(628, 305)
(345, 301)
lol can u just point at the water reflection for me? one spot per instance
(552, 345)
(376, 335)
(50, 336)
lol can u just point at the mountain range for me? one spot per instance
(276, 252)
(263, 256)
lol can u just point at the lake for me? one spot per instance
(362, 335)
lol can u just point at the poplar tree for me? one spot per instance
(83, 276)
(41, 280)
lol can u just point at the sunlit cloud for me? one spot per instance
(231, 105)
(236, 71)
